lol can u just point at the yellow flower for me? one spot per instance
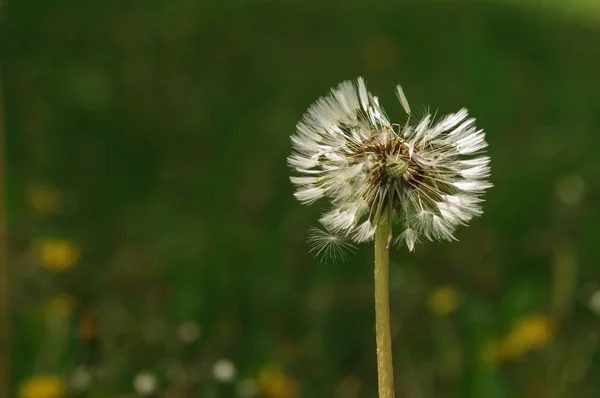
(57, 254)
(62, 305)
(444, 300)
(43, 386)
(45, 199)
(529, 333)
(274, 383)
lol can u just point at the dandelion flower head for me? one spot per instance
(427, 177)
(57, 254)
(43, 386)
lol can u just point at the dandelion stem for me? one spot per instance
(4, 293)
(385, 371)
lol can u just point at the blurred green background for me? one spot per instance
(155, 247)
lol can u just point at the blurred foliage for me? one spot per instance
(154, 235)
(584, 11)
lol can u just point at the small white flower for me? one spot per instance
(428, 177)
(145, 383)
(224, 371)
(594, 302)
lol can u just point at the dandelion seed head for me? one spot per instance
(145, 383)
(224, 370)
(427, 175)
(594, 302)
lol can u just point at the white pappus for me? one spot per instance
(428, 177)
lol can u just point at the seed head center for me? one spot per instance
(395, 166)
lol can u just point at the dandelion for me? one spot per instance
(57, 254)
(43, 386)
(386, 182)
(274, 383)
(347, 150)
(145, 384)
(532, 332)
(224, 371)
(444, 300)
(61, 306)
(594, 302)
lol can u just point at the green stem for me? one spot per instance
(385, 370)
(4, 293)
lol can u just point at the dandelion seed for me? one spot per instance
(427, 176)
(328, 245)
(403, 99)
